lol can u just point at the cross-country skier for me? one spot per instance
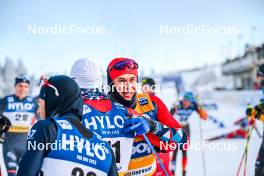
(101, 115)
(182, 111)
(60, 145)
(241, 133)
(21, 110)
(258, 113)
(122, 75)
(149, 87)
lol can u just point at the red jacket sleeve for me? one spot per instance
(163, 114)
(164, 117)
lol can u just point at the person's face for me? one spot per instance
(21, 90)
(41, 110)
(126, 85)
(186, 103)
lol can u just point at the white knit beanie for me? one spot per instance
(87, 74)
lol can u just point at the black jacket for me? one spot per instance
(68, 104)
(4, 124)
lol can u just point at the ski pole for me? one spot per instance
(245, 151)
(245, 164)
(244, 156)
(203, 154)
(257, 131)
(201, 137)
(155, 153)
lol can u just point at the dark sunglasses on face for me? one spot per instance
(124, 64)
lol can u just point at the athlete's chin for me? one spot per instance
(21, 95)
(127, 96)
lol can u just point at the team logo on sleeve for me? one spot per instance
(143, 101)
(31, 134)
(86, 109)
(10, 99)
(65, 124)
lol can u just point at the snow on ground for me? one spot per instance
(220, 162)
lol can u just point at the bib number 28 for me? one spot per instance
(79, 172)
(21, 117)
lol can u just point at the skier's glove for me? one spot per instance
(138, 124)
(249, 111)
(4, 124)
(166, 133)
(259, 111)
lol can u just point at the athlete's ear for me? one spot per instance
(42, 108)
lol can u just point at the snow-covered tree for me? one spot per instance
(8, 75)
(9, 70)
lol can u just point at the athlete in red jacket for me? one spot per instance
(163, 115)
(122, 75)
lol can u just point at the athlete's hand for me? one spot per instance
(259, 110)
(139, 125)
(249, 111)
(4, 124)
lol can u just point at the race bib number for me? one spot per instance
(122, 148)
(77, 171)
(58, 167)
(20, 119)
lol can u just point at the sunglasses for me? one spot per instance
(124, 64)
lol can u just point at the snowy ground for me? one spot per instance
(219, 162)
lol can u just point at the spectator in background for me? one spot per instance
(21, 110)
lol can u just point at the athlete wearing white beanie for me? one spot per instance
(87, 74)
